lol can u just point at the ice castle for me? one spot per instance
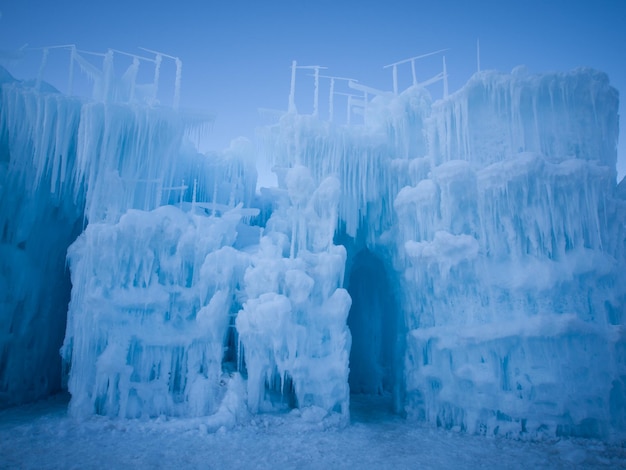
(464, 256)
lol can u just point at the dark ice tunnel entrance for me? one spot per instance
(374, 324)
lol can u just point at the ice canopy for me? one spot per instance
(464, 256)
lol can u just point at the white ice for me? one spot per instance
(463, 257)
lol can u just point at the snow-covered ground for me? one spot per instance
(41, 436)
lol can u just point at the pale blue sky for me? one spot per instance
(236, 54)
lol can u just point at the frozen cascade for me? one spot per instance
(512, 264)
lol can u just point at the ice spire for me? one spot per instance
(42, 66)
(445, 78)
(292, 89)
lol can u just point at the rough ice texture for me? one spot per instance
(483, 251)
(511, 258)
(147, 325)
(166, 314)
(65, 163)
(293, 323)
(495, 213)
(39, 218)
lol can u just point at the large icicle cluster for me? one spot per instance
(65, 163)
(507, 243)
(293, 323)
(496, 116)
(156, 289)
(39, 218)
(511, 260)
(370, 160)
(151, 326)
(151, 304)
(483, 245)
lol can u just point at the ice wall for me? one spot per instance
(152, 300)
(514, 298)
(512, 258)
(65, 163)
(170, 309)
(167, 260)
(483, 244)
(293, 323)
(39, 218)
(497, 209)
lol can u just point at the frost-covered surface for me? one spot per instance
(42, 436)
(146, 327)
(65, 163)
(293, 323)
(465, 257)
(166, 314)
(494, 212)
(512, 261)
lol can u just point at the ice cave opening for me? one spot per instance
(374, 322)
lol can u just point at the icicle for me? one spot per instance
(70, 83)
(179, 72)
(107, 74)
(292, 90)
(42, 66)
(193, 196)
(445, 78)
(316, 91)
(157, 72)
(331, 99)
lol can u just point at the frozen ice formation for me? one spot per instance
(464, 256)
